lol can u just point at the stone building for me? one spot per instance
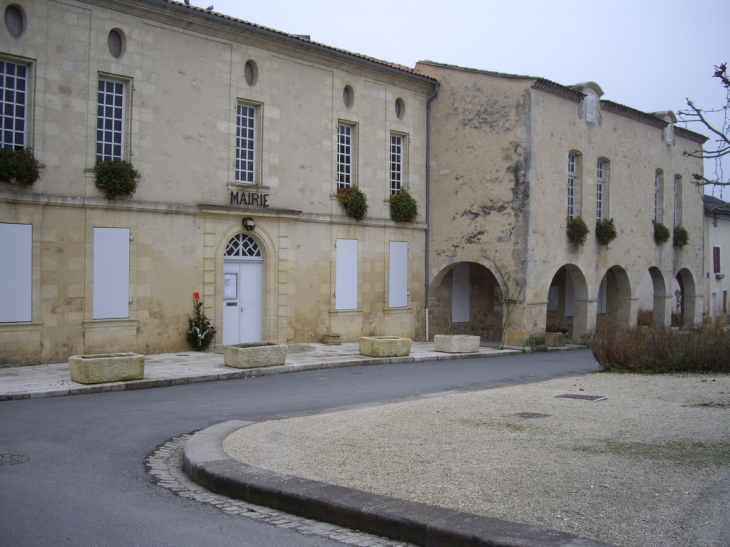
(513, 158)
(717, 245)
(228, 124)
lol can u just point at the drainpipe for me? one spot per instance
(428, 194)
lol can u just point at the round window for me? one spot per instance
(116, 43)
(14, 20)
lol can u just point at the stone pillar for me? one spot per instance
(584, 318)
(663, 306)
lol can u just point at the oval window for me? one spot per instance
(115, 41)
(348, 96)
(250, 72)
(14, 21)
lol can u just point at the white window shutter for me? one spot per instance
(346, 274)
(398, 275)
(460, 311)
(111, 273)
(16, 272)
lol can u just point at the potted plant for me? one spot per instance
(577, 231)
(18, 166)
(403, 207)
(117, 178)
(661, 232)
(605, 231)
(681, 236)
(200, 332)
(354, 201)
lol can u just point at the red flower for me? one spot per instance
(196, 295)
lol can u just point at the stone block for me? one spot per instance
(385, 346)
(555, 339)
(331, 340)
(106, 367)
(516, 337)
(459, 343)
(260, 354)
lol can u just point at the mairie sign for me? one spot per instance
(250, 199)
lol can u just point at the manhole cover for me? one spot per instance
(530, 415)
(12, 459)
(581, 397)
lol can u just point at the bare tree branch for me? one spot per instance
(722, 143)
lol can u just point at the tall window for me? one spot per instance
(659, 196)
(602, 171)
(396, 164)
(573, 185)
(13, 95)
(110, 120)
(677, 200)
(344, 155)
(716, 263)
(245, 143)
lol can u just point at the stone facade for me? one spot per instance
(184, 74)
(717, 265)
(503, 150)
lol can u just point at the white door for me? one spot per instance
(242, 291)
(242, 302)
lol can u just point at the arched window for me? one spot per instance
(242, 246)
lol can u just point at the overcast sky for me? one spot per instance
(647, 54)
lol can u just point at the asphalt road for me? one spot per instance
(86, 485)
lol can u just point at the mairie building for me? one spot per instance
(241, 137)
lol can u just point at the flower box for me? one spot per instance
(555, 339)
(385, 346)
(255, 355)
(106, 367)
(456, 343)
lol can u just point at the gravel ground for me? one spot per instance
(648, 466)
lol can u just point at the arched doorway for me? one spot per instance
(687, 299)
(567, 307)
(242, 291)
(466, 298)
(613, 303)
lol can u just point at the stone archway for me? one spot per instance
(613, 302)
(465, 298)
(688, 299)
(569, 307)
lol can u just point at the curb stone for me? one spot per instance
(164, 465)
(207, 464)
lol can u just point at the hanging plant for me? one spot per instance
(577, 231)
(403, 207)
(681, 236)
(661, 232)
(117, 178)
(606, 231)
(354, 201)
(200, 332)
(18, 166)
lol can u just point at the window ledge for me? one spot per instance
(103, 323)
(21, 325)
(246, 186)
(345, 313)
